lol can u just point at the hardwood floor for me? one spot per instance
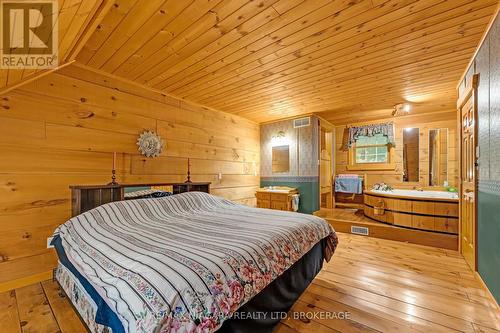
(377, 285)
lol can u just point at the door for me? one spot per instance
(468, 163)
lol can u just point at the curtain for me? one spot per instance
(386, 129)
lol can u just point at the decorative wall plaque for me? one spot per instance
(150, 144)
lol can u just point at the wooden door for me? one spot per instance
(467, 107)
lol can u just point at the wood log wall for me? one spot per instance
(62, 130)
(395, 177)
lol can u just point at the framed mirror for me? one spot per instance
(281, 159)
(411, 158)
(438, 157)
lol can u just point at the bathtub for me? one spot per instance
(419, 194)
(435, 211)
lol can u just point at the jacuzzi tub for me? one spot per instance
(419, 194)
(425, 210)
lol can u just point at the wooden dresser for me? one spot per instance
(279, 198)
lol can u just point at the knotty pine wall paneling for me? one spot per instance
(63, 128)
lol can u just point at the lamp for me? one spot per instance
(401, 108)
(279, 139)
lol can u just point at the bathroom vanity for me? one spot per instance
(276, 197)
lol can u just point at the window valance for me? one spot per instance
(386, 129)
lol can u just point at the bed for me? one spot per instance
(190, 262)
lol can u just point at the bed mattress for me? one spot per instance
(184, 263)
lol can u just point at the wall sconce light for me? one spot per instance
(279, 139)
(401, 108)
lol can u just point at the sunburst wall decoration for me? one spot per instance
(150, 144)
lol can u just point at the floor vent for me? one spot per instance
(359, 230)
(301, 122)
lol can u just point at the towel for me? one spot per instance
(348, 185)
(295, 202)
(348, 175)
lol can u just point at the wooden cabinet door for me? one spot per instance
(468, 194)
(263, 203)
(278, 205)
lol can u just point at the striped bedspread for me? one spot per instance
(185, 263)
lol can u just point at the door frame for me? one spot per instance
(469, 92)
(325, 127)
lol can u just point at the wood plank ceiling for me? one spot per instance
(268, 59)
(76, 21)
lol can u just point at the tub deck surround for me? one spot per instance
(343, 219)
(425, 210)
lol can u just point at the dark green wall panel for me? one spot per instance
(489, 241)
(487, 65)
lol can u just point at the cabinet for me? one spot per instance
(279, 198)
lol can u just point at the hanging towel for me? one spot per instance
(348, 175)
(295, 202)
(349, 185)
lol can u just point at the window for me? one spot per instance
(371, 149)
(371, 153)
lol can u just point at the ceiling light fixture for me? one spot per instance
(400, 109)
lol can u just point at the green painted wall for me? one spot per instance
(487, 65)
(489, 241)
(309, 192)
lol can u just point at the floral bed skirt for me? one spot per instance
(81, 301)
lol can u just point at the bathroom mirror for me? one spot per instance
(438, 157)
(281, 155)
(411, 159)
